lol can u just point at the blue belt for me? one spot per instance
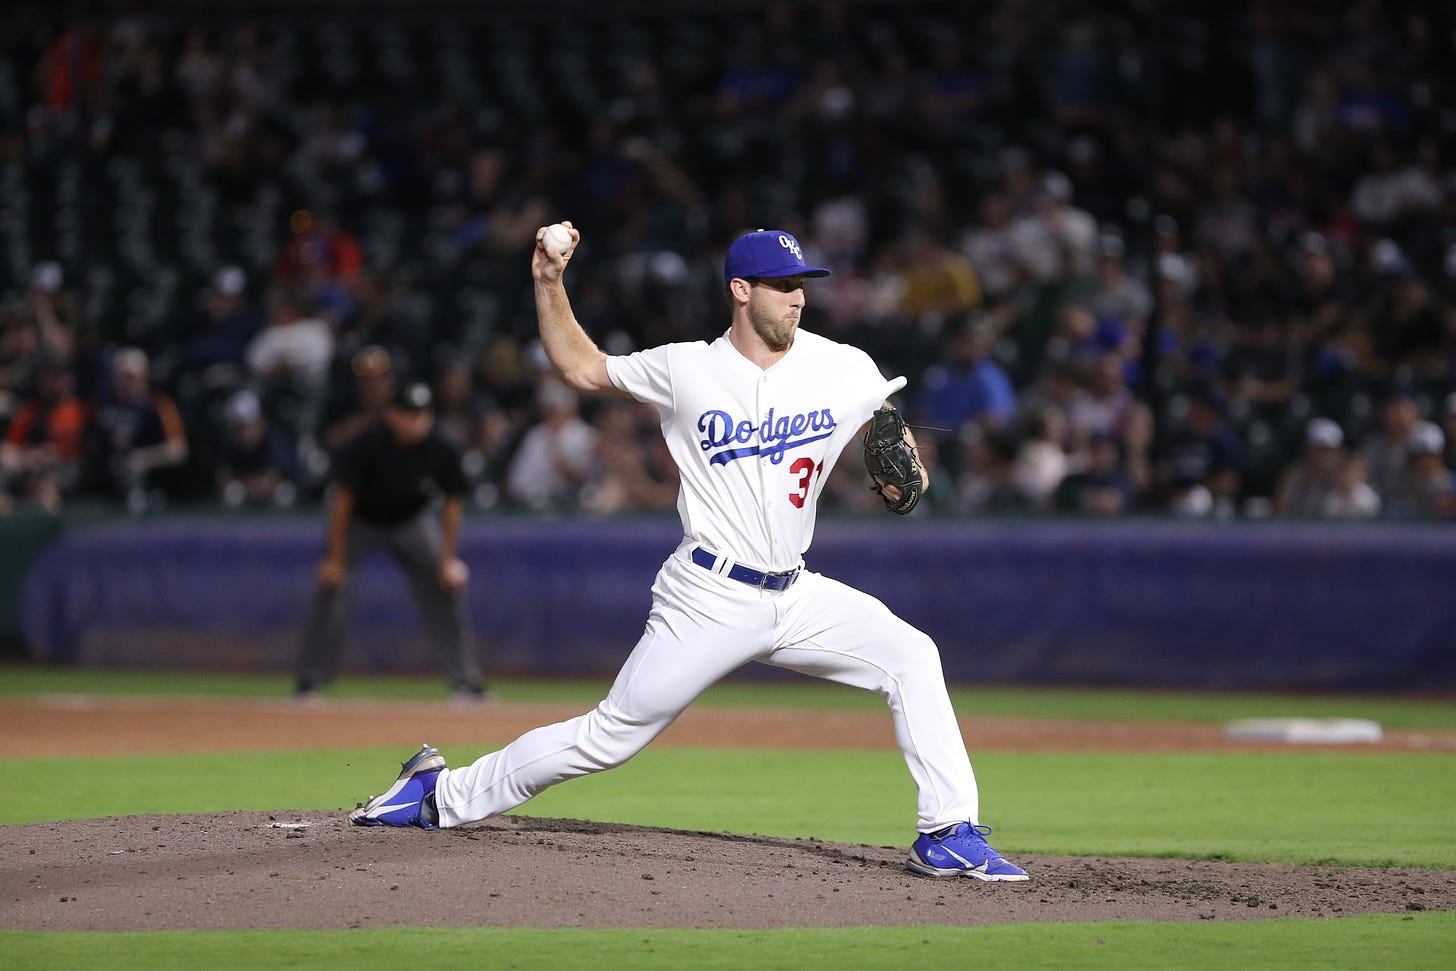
(741, 573)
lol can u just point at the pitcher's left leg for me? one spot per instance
(841, 634)
(701, 627)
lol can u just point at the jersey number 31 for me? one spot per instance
(804, 469)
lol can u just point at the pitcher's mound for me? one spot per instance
(291, 869)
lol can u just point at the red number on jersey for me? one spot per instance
(805, 469)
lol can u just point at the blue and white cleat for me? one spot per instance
(961, 851)
(410, 801)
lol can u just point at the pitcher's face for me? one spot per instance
(774, 306)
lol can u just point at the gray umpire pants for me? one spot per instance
(415, 546)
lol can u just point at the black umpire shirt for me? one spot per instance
(391, 484)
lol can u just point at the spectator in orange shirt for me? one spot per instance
(40, 459)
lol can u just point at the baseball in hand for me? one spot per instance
(557, 237)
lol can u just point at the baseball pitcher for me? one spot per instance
(755, 421)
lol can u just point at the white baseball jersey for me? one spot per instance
(754, 446)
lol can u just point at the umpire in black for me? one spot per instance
(400, 485)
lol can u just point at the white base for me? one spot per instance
(1303, 731)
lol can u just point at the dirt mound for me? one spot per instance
(290, 869)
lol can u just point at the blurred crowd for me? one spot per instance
(1134, 258)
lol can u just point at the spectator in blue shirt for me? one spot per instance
(970, 386)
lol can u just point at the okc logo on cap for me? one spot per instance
(766, 254)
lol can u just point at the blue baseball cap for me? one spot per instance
(767, 253)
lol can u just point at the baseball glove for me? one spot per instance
(891, 461)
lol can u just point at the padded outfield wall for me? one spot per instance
(1266, 605)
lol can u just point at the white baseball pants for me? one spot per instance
(701, 627)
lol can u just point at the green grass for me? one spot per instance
(1430, 714)
(1321, 807)
(1379, 943)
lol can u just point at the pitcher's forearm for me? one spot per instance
(581, 364)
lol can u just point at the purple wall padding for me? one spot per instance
(1262, 605)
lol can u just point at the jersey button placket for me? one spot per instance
(765, 472)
